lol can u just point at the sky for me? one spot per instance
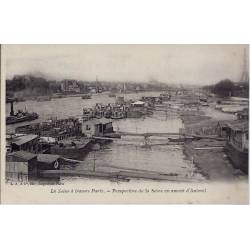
(173, 64)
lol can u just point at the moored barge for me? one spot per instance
(237, 144)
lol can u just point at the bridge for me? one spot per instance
(174, 138)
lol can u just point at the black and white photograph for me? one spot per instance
(127, 115)
(124, 124)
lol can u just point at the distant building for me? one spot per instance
(70, 86)
(93, 90)
(138, 88)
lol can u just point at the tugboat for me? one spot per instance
(20, 116)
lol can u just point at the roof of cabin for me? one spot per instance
(24, 139)
(138, 103)
(238, 125)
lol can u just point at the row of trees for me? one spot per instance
(226, 88)
(28, 85)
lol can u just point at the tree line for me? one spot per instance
(227, 88)
(29, 86)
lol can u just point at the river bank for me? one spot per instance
(208, 155)
(210, 159)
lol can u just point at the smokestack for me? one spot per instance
(11, 108)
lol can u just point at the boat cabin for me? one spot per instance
(24, 142)
(120, 100)
(97, 127)
(57, 129)
(20, 165)
(138, 104)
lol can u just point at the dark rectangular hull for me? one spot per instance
(238, 158)
(76, 153)
(23, 119)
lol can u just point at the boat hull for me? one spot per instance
(135, 114)
(71, 152)
(117, 117)
(22, 119)
(237, 157)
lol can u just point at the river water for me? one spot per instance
(129, 152)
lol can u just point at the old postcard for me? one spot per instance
(161, 124)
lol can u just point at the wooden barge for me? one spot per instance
(237, 143)
(73, 149)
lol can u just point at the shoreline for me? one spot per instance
(208, 155)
